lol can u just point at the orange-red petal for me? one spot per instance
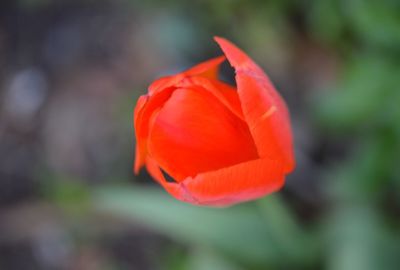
(225, 93)
(140, 150)
(145, 108)
(263, 108)
(238, 183)
(194, 132)
(172, 188)
(164, 83)
(207, 69)
(159, 92)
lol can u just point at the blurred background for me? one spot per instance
(70, 75)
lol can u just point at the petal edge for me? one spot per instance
(234, 184)
(263, 108)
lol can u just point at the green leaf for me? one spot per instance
(204, 259)
(239, 231)
(357, 239)
(359, 97)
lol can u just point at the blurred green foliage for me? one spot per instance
(255, 235)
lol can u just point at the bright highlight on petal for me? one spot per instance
(222, 145)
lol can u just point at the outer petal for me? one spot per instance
(238, 183)
(207, 69)
(194, 133)
(140, 152)
(172, 188)
(227, 186)
(164, 82)
(145, 108)
(263, 108)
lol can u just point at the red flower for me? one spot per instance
(220, 144)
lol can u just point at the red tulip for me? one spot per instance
(221, 145)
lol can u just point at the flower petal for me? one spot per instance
(140, 152)
(207, 69)
(145, 109)
(194, 132)
(172, 188)
(238, 183)
(223, 92)
(263, 108)
(164, 82)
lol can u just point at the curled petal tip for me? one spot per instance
(218, 39)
